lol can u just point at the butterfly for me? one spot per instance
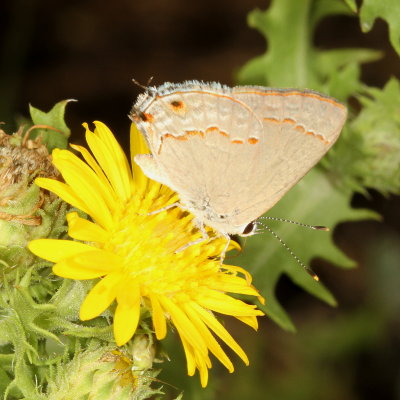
(231, 153)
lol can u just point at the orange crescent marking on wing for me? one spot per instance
(182, 137)
(273, 120)
(171, 136)
(192, 133)
(318, 136)
(213, 129)
(298, 128)
(187, 134)
(289, 121)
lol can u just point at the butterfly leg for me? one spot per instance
(176, 204)
(204, 238)
(197, 241)
(223, 253)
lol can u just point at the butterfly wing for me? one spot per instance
(179, 109)
(299, 128)
(236, 151)
(319, 115)
(195, 140)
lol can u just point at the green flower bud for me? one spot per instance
(24, 207)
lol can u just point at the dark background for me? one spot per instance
(91, 50)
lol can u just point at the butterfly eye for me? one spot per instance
(222, 216)
(249, 229)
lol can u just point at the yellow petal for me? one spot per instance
(82, 229)
(69, 164)
(251, 321)
(92, 162)
(203, 376)
(56, 250)
(138, 146)
(71, 270)
(224, 304)
(116, 176)
(99, 260)
(63, 191)
(109, 154)
(220, 331)
(235, 268)
(159, 322)
(87, 265)
(234, 245)
(127, 314)
(184, 325)
(100, 297)
(196, 360)
(107, 137)
(212, 344)
(190, 361)
(92, 191)
(233, 284)
(203, 366)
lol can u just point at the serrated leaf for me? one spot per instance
(291, 59)
(314, 200)
(389, 10)
(344, 82)
(352, 5)
(56, 136)
(330, 61)
(379, 125)
(368, 153)
(324, 8)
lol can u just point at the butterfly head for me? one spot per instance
(224, 223)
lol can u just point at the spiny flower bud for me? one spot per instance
(21, 161)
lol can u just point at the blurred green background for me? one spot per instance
(90, 51)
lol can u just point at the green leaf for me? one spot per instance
(57, 133)
(291, 59)
(330, 61)
(368, 153)
(344, 82)
(314, 200)
(352, 4)
(389, 10)
(320, 9)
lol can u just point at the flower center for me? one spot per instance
(148, 244)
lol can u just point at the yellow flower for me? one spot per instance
(134, 253)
